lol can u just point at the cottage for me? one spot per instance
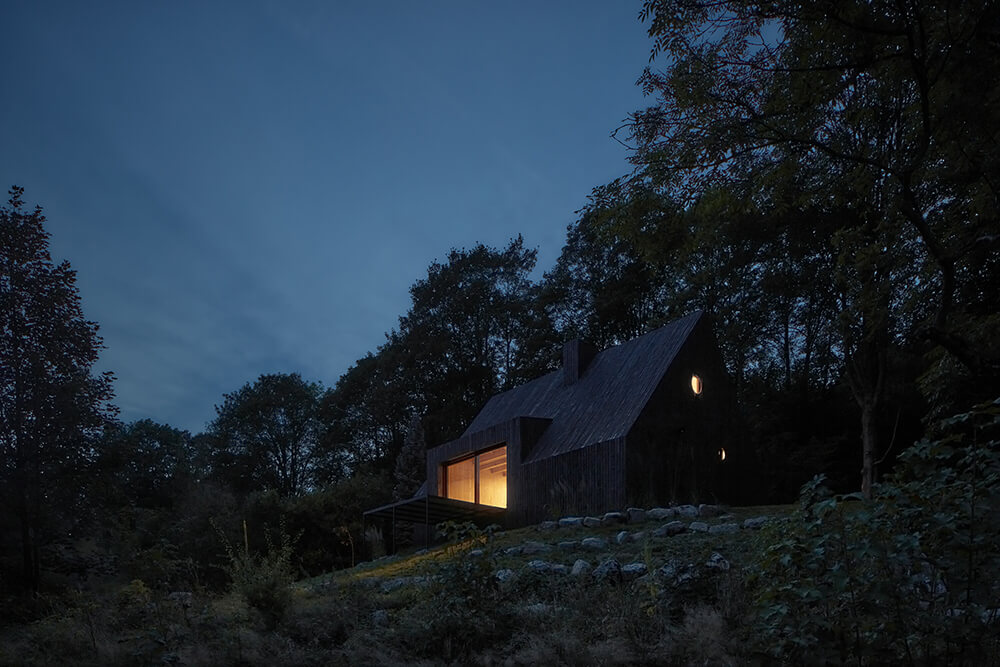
(645, 423)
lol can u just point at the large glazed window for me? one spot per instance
(479, 479)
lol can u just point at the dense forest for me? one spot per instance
(820, 179)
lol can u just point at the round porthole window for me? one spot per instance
(696, 384)
(722, 454)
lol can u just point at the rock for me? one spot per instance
(609, 570)
(529, 548)
(755, 523)
(548, 525)
(539, 566)
(591, 522)
(580, 567)
(717, 562)
(633, 571)
(675, 527)
(660, 513)
(621, 537)
(571, 521)
(380, 618)
(611, 518)
(687, 511)
(569, 545)
(709, 511)
(636, 515)
(505, 577)
(594, 543)
(513, 551)
(698, 527)
(724, 528)
(638, 536)
(559, 568)
(538, 609)
(668, 570)
(475, 553)
(420, 552)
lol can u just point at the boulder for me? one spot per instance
(569, 545)
(571, 521)
(635, 515)
(559, 568)
(513, 551)
(724, 528)
(609, 570)
(612, 518)
(594, 543)
(660, 513)
(687, 511)
(755, 523)
(548, 525)
(505, 577)
(638, 536)
(539, 566)
(591, 522)
(529, 548)
(717, 562)
(670, 529)
(621, 537)
(580, 567)
(698, 527)
(475, 553)
(633, 571)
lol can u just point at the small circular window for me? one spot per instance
(696, 384)
(722, 454)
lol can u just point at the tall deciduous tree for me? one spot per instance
(269, 433)
(51, 401)
(882, 105)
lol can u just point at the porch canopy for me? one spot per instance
(431, 510)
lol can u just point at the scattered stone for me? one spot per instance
(529, 548)
(559, 568)
(591, 522)
(538, 609)
(636, 515)
(570, 521)
(755, 523)
(580, 567)
(668, 570)
(717, 562)
(609, 569)
(675, 527)
(505, 577)
(724, 528)
(687, 511)
(698, 527)
(539, 566)
(621, 537)
(548, 525)
(633, 571)
(380, 618)
(611, 518)
(594, 543)
(638, 536)
(660, 513)
(569, 545)
(709, 511)
(513, 551)
(475, 553)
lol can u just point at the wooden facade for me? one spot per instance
(611, 429)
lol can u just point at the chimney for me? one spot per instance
(577, 355)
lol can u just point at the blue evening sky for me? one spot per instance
(252, 187)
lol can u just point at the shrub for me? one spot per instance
(263, 580)
(911, 577)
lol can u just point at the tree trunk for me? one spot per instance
(869, 437)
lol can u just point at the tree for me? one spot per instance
(881, 107)
(268, 434)
(51, 402)
(144, 464)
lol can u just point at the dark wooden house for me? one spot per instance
(640, 424)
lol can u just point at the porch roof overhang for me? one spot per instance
(431, 510)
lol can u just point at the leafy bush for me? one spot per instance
(263, 580)
(911, 577)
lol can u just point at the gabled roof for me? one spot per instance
(603, 404)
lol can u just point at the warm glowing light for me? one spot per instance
(696, 384)
(722, 454)
(479, 479)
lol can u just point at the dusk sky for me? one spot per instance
(252, 187)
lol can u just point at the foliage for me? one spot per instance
(910, 577)
(51, 403)
(268, 434)
(263, 579)
(411, 468)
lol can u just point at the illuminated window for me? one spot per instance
(478, 479)
(696, 384)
